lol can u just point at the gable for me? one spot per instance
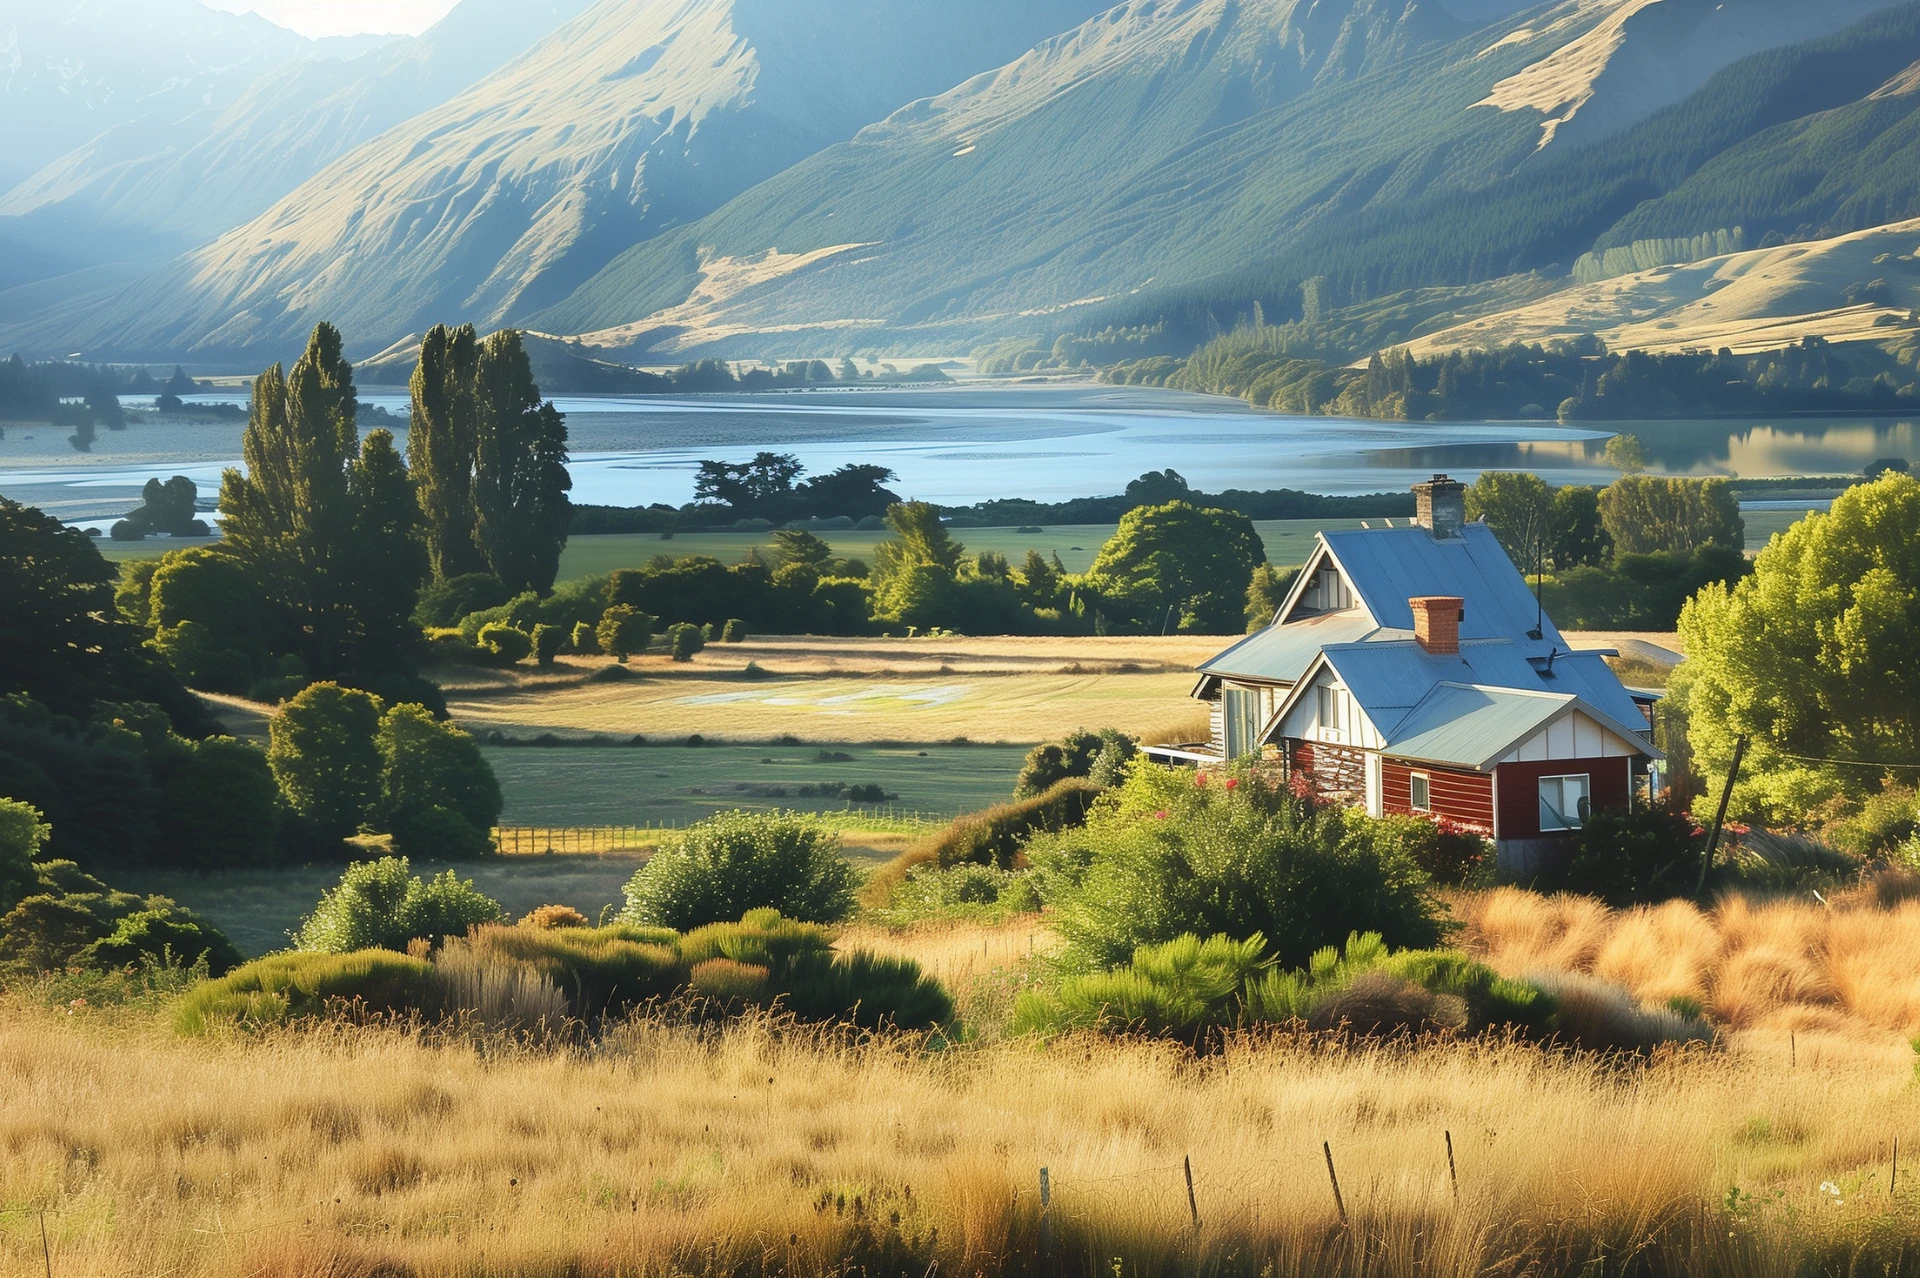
(1574, 735)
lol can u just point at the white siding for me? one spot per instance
(1326, 589)
(1571, 736)
(1350, 727)
(1376, 789)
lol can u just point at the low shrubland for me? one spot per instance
(737, 861)
(544, 979)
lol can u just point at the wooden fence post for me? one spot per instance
(1452, 1174)
(1339, 1203)
(1193, 1204)
(1046, 1218)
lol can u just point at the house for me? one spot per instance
(1412, 670)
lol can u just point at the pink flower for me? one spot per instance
(1200, 779)
(1232, 782)
(1161, 815)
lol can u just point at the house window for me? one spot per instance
(1421, 792)
(1332, 713)
(1242, 707)
(1564, 803)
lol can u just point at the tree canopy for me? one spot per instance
(1815, 657)
(1178, 567)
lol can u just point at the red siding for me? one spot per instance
(1466, 797)
(1610, 783)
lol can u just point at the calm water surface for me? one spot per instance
(960, 445)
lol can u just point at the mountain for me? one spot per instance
(173, 182)
(1184, 146)
(71, 70)
(634, 117)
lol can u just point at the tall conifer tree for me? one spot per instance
(520, 472)
(389, 560)
(440, 448)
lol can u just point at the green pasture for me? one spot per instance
(676, 785)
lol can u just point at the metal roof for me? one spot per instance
(1280, 654)
(1477, 726)
(1388, 566)
(1471, 725)
(1588, 676)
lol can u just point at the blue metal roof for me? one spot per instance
(1475, 726)
(1388, 566)
(1281, 654)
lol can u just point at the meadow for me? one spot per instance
(1012, 690)
(671, 1146)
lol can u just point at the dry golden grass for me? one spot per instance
(1845, 970)
(353, 1152)
(1011, 688)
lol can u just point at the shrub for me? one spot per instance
(683, 640)
(380, 905)
(325, 760)
(1099, 756)
(221, 808)
(600, 970)
(1448, 854)
(551, 916)
(506, 644)
(726, 981)
(201, 660)
(273, 990)
(440, 834)
(871, 990)
(624, 631)
(583, 641)
(546, 643)
(169, 936)
(1173, 851)
(734, 862)
(735, 631)
(428, 764)
(996, 836)
(445, 602)
(1633, 858)
(974, 893)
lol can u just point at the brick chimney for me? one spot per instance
(1440, 507)
(1436, 622)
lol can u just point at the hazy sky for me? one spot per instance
(343, 17)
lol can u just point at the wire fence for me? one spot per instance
(617, 840)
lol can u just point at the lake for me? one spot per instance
(956, 445)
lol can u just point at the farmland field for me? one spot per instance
(1016, 690)
(673, 785)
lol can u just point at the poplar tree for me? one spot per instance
(327, 527)
(289, 517)
(520, 468)
(441, 446)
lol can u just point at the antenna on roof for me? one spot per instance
(1539, 608)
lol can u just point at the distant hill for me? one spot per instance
(632, 118)
(176, 181)
(1236, 150)
(70, 70)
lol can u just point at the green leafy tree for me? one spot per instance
(63, 641)
(684, 640)
(1815, 658)
(387, 561)
(1518, 507)
(1265, 593)
(624, 631)
(739, 861)
(425, 763)
(547, 641)
(520, 468)
(508, 644)
(1039, 583)
(22, 834)
(1178, 567)
(289, 517)
(1579, 537)
(797, 547)
(214, 591)
(326, 760)
(382, 905)
(1645, 513)
(442, 446)
(1101, 756)
(220, 808)
(1625, 453)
